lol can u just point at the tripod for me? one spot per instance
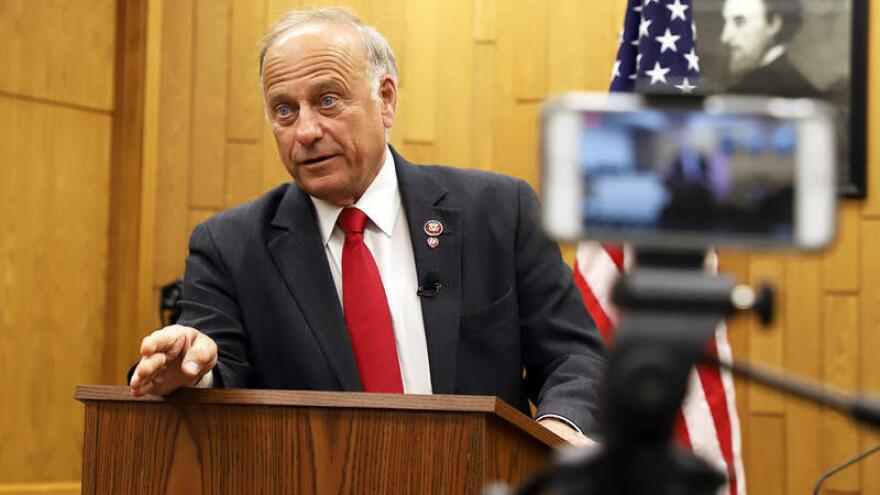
(671, 309)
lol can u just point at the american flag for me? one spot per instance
(657, 53)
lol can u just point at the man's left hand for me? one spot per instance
(567, 433)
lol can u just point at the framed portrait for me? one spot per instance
(793, 48)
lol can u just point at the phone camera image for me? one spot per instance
(653, 171)
(748, 172)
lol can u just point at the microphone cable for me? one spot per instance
(849, 462)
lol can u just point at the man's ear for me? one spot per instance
(388, 100)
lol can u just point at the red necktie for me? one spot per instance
(366, 309)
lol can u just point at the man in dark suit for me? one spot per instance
(756, 33)
(370, 273)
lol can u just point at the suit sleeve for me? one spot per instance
(563, 351)
(209, 304)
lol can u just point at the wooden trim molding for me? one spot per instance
(121, 308)
(360, 400)
(54, 488)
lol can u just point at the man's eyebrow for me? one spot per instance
(273, 98)
(328, 84)
(315, 90)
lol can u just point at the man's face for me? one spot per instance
(328, 123)
(747, 33)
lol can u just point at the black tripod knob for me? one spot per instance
(764, 302)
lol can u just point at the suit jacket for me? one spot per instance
(779, 78)
(257, 282)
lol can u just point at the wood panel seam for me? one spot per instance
(194, 50)
(767, 414)
(56, 103)
(842, 292)
(41, 487)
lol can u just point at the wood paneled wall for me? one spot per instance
(56, 130)
(473, 76)
(826, 330)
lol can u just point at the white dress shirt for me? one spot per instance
(387, 237)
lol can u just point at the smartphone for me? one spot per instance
(681, 172)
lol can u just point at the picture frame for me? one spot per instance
(816, 49)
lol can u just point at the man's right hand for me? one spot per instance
(173, 357)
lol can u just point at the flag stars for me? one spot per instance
(658, 73)
(657, 48)
(693, 60)
(643, 28)
(678, 10)
(686, 86)
(668, 41)
(615, 72)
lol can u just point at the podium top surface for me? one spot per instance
(342, 400)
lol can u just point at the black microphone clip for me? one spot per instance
(429, 289)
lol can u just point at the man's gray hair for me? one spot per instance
(380, 57)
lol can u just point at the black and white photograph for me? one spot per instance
(794, 49)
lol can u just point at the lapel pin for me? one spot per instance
(433, 228)
(433, 242)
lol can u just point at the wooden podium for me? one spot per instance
(261, 441)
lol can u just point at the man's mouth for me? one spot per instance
(315, 160)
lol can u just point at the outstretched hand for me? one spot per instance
(173, 357)
(567, 433)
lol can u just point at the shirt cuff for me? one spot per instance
(206, 381)
(560, 418)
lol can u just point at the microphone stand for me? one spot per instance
(862, 408)
(671, 309)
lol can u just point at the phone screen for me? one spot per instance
(725, 171)
(686, 172)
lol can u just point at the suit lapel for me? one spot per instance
(299, 255)
(423, 201)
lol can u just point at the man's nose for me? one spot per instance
(308, 126)
(726, 33)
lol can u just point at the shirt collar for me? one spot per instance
(381, 202)
(771, 55)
